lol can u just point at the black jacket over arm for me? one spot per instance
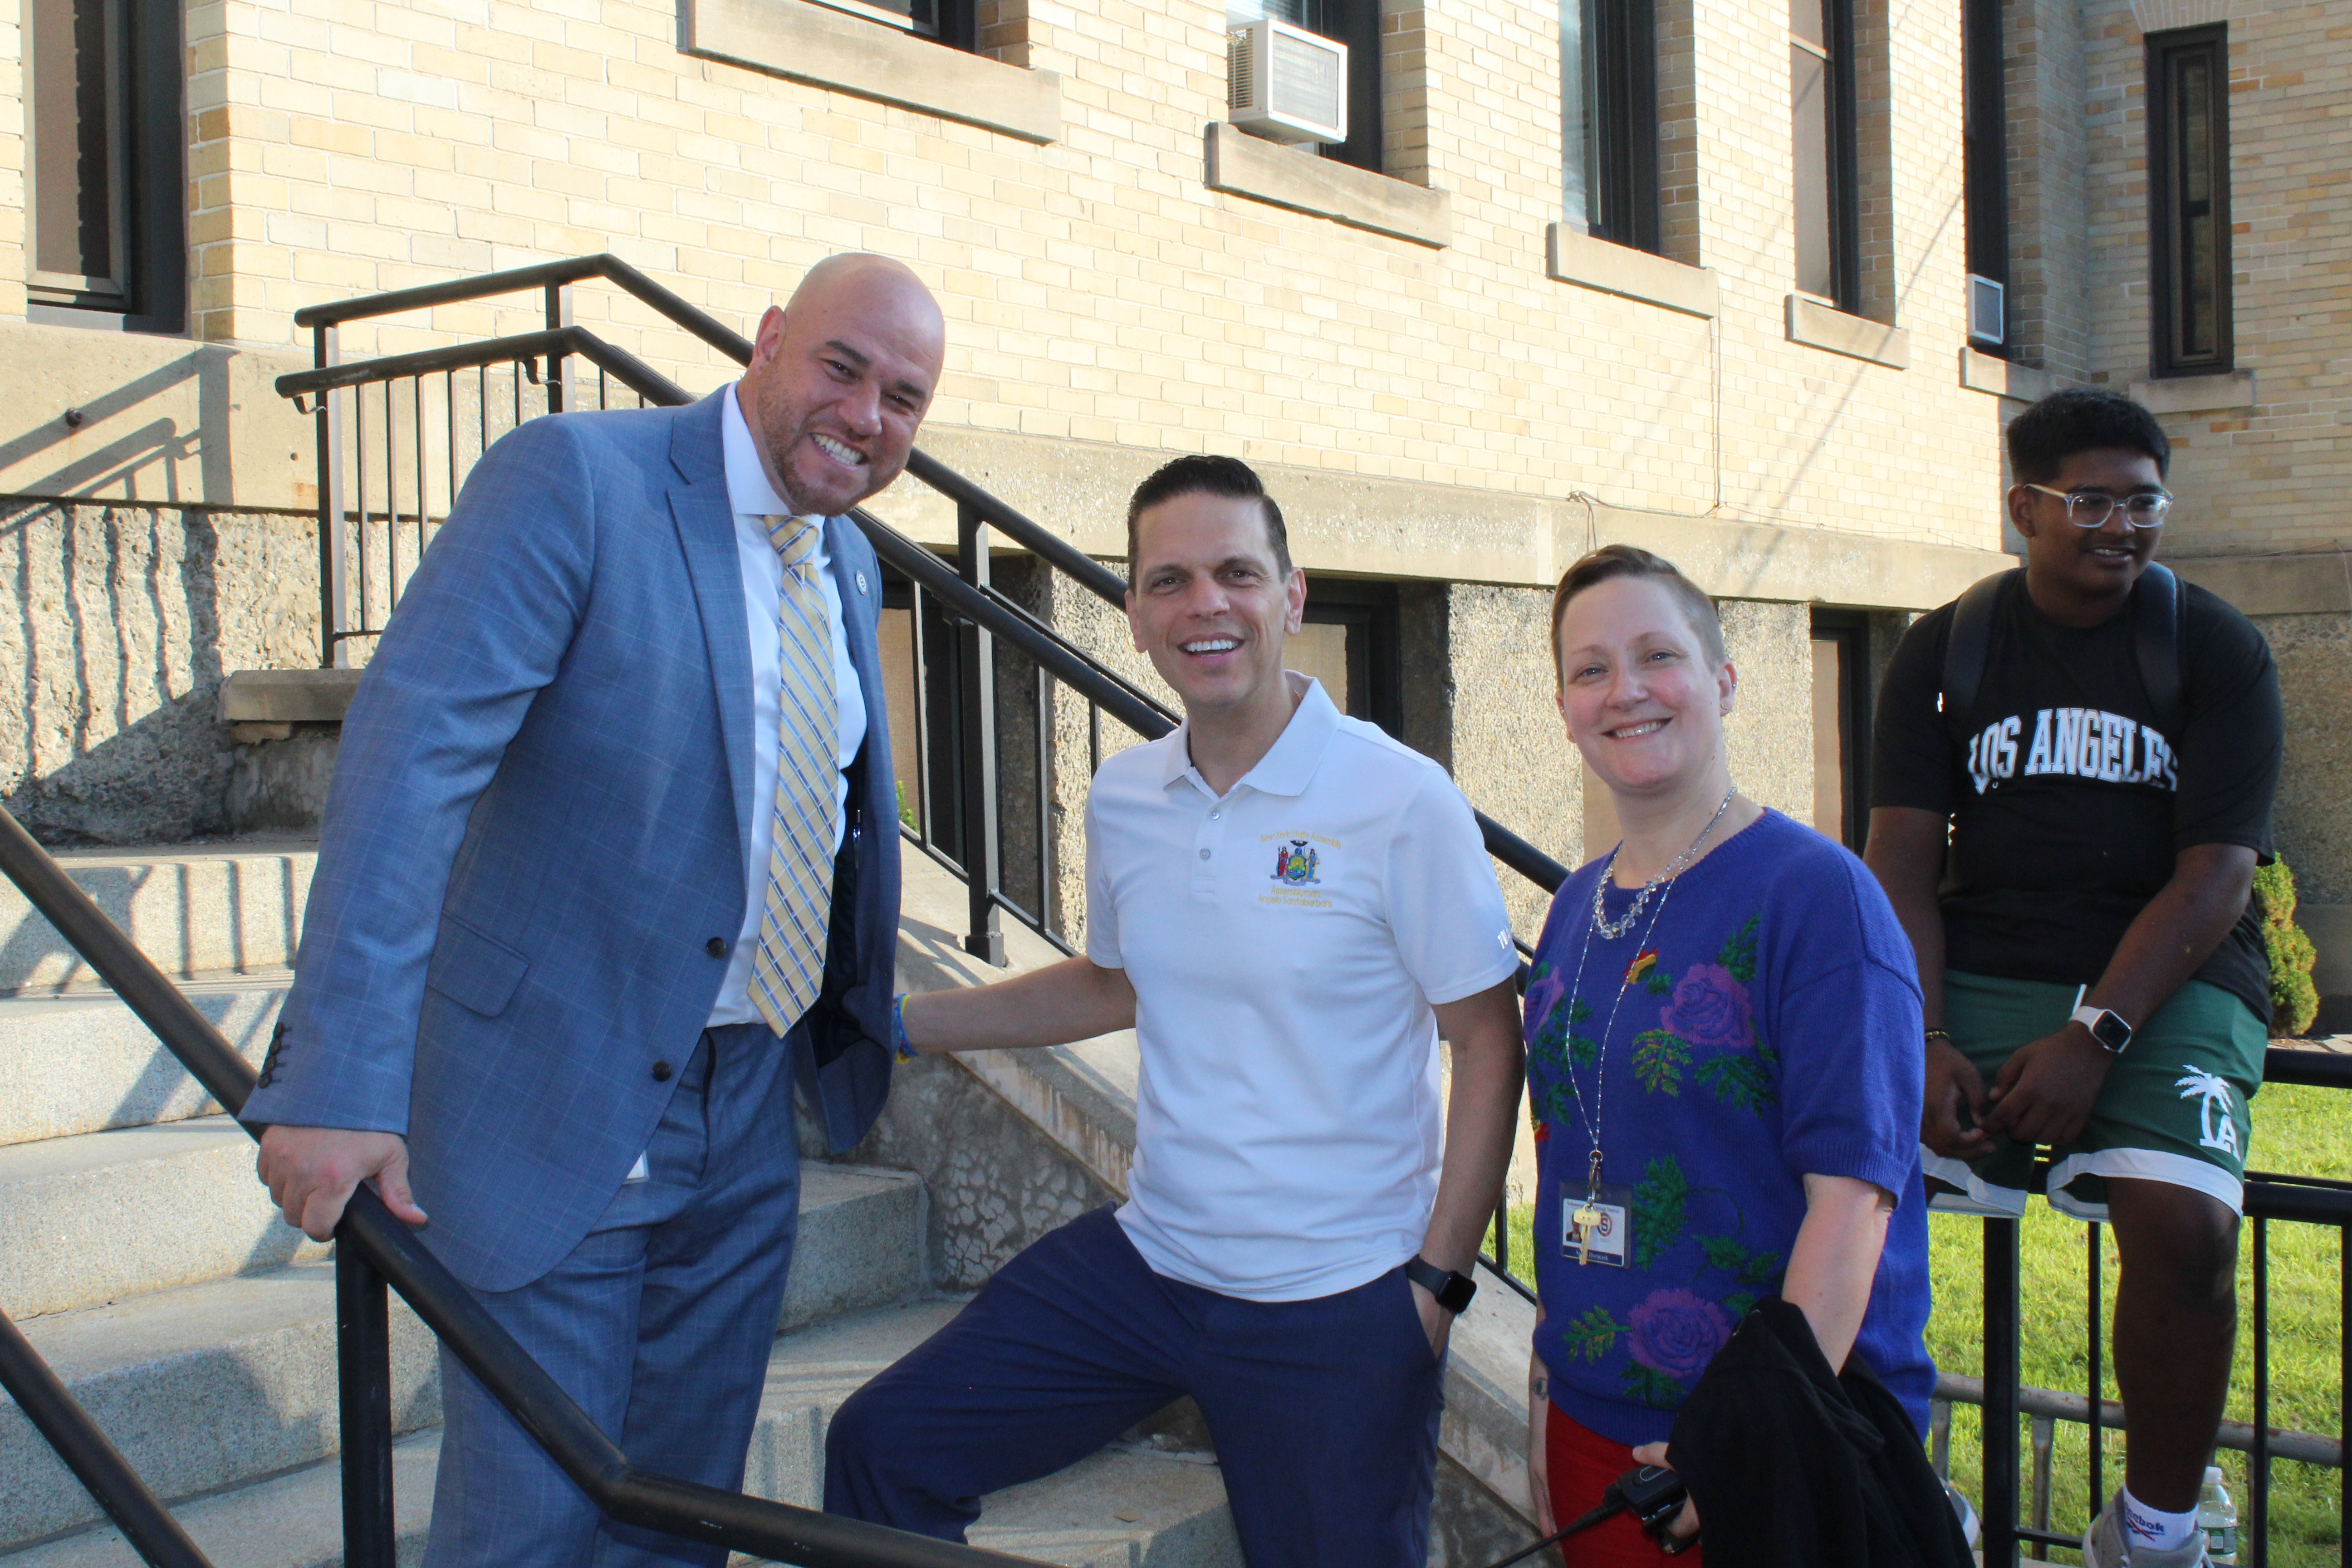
(1791, 1465)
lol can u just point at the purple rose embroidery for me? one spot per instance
(1710, 1009)
(1678, 1333)
(1542, 996)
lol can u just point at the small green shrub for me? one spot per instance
(2294, 1000)
(907, 815)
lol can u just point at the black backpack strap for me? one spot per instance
(1968, 646)
(2159, 605)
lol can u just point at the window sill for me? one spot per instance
(1597, 264)
(1981, 371)
(1821, 326)
(824, 48)
(2232, 392)
(1242, 165)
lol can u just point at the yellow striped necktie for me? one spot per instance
(788, 968)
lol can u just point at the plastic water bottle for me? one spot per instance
(2217, 1516)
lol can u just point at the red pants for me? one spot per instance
(1579, 1465)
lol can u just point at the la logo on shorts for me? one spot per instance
(2219, 1130)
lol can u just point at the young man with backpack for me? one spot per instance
(2072, 778)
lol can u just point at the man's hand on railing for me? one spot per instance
(311, 1172)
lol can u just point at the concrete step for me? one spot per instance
(214, 1383)
(234, 907)
(84, 1063)
(1127, 1507)
(100, 1218)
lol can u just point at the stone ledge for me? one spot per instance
(804, 42)
(1821, 326)
(1242, 165)
(1630, 274)
(2196, 393)
(1981, 371)
(2309, 583)
(1364, 525)
(286, 696)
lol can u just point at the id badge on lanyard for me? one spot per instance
(1596, 1227)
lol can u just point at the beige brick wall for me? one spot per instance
(1097, 290)
(2268, 481)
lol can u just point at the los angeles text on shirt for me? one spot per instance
(2078, 742)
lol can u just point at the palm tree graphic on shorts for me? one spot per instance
(2214, 1096)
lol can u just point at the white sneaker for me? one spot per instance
(2105, 1546)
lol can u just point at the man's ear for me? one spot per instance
(769, 337)
(1726, 684)
(1295, 591)
(1134, 632)
(2021, 511)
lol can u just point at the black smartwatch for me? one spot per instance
(1453, 1291)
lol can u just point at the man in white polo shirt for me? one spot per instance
(1289, 909)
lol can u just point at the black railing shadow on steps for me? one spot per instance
(373, 1249)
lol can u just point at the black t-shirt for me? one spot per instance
(2067, 802)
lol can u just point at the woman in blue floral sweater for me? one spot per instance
(1724, 1066)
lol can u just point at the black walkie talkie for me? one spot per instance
(1651, 1493)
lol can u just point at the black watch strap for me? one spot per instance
(1453, 1291)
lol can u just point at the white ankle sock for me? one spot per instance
(2155, 1528)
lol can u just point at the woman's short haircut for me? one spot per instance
(2081, 419)
(1208, 476)
(1630, 560)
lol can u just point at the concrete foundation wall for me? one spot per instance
(120, 623)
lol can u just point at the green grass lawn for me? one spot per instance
(2304, 1131)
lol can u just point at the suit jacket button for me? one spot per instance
(716, 947)
(661, 1072)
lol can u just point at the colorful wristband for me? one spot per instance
(900, 1046)
(1939, 1035)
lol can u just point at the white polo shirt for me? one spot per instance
(1286, 943)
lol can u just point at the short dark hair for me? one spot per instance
(2081, 419)
(1630, 560)
(1208, 476)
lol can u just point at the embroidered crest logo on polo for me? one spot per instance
(1295, 863)
(1602, 1222)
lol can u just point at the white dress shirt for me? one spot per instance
(752, 496)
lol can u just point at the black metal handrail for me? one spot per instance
(371, 1238)
(95, 1462)
(542, 275)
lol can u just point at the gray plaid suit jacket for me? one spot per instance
(531, 866)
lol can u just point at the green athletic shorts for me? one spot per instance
(2175, 1106)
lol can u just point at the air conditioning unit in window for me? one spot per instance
(1287, 84)
(1988, 310)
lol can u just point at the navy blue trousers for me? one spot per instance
(1324, 1412)
(659, 1323)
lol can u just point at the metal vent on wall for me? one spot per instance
(1287, 84)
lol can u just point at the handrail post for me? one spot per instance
(982, 851)
(325, 349)
(364, 1377)
(562, 390)
(1998, 1428)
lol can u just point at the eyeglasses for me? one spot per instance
(2090, 509)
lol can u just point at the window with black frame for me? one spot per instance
(2188, 200)
(949, 21)
(104, 193)
(1355, 23)
(1609, 120)
(1828, 197)
(1841, 693)
(1984, 177)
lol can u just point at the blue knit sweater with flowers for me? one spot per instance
(1771, 1028)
